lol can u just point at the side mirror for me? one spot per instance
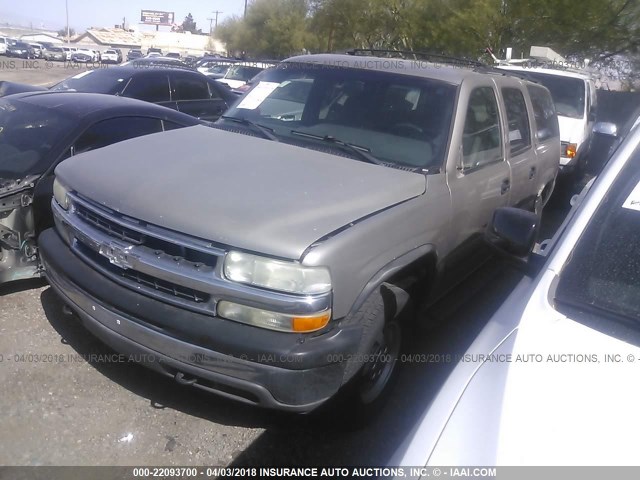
(606, 128)
(513, 230)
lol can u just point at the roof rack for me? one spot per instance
(433, 57)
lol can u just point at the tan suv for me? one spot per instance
(268, 259)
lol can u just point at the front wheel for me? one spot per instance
(371, 373)
(380, 365)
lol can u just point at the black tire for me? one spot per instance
(372, 372)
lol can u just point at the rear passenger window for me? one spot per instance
(544, 113)
(481, 144)
(150, 88)
(189, 88)
(517, 116)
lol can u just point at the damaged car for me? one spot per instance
(39, 130)
(280, 266)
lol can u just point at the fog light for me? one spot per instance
(272, 320)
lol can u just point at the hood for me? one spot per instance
(237, 190)
(572, 130)
(9, 88)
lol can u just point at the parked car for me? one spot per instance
(37, 49)
(4, 41)
(574, 95)
(84, 55)
(190, 60)
(69, 51)
(155, 61)
(563, 348)
(154, 51)
(110, 56)
(134, 53)
(216, 71)
(302, 224)
(206, 63)
(21, 50)
(54, 53)
(39, 130)
(119, 53)
(173, 55)
(181, 89)
(240, 73)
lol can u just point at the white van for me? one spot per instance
(574, 95)
(4, 41)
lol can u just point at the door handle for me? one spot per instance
(506, 186)
(532, 173)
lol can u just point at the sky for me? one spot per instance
(50, 14)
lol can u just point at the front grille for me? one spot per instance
(134, 237)
(109, 227)
(172, 259)
(149, 281)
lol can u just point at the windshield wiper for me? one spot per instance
(362, 152)
(266, 131)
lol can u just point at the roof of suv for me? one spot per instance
(548, 71)
(450, 73)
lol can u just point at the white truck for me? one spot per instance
(574, 93)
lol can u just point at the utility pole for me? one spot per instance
(245, 8)
(66, 6)
(217, 13)
(210, 26)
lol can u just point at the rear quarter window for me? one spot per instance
(544, 114)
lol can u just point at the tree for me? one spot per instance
(189, 24)
(271, 29)
(63, 32)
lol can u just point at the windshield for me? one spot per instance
(108, 81)
(220, 69)
(603, 272)
(399, 119)
(568, 93)
(241, 72)
(27, 134)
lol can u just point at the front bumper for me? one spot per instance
(266, 368)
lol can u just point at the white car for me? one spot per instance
(240, 73)
(552, 378)
(87, 51)
(109, 56)
(69, 51)
(4, 41)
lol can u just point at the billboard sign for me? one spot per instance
(153, 17)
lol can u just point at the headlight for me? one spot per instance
(273, 321)
(60, 194)
(275, 274)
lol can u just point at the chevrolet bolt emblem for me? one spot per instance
(117, 254)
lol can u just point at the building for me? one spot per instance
(183, 43)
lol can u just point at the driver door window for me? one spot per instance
(481, 139)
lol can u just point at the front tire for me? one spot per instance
(372, 372)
